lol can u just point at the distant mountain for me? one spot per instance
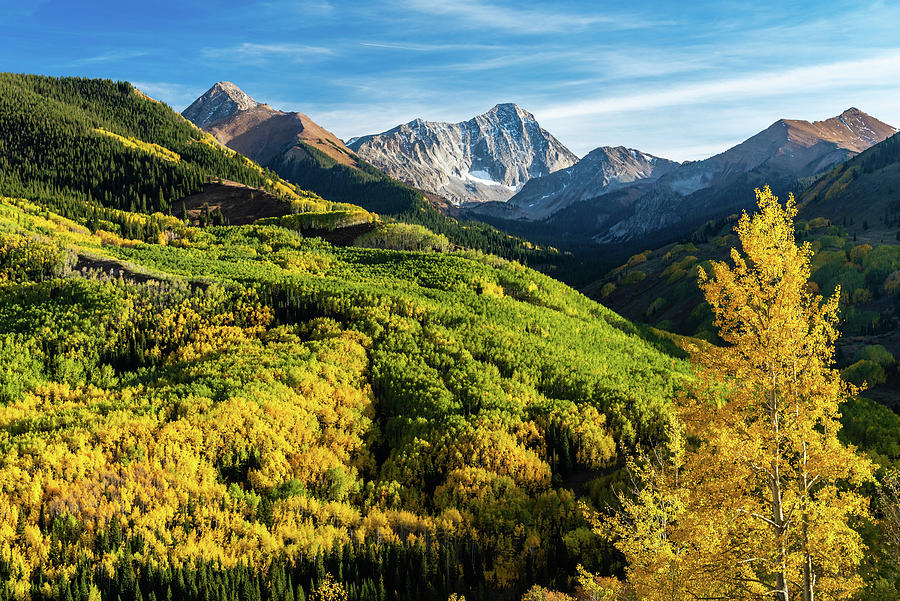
(487, 158)
(855, 204)
(601, 171)
(680, 200)
(260, 132)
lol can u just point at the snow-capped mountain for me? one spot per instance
(487, 158)
(601, 171)
(219, 102)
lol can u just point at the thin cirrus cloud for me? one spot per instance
(113, 56)
(473, 14)
(428, 47)
(251, 53)
(842, 74)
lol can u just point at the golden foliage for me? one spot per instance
(759, 502)
(148, 147)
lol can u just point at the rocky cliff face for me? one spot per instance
(258, 131)
(601, 171)
(487, 158)
(219, 102)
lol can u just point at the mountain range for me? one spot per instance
(487, 158)
(601, 171)
(672, 200)
(786, 151)
(301, 151)
(504, 168)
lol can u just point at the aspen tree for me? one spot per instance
(758, 503)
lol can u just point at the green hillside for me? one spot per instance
(240, 411)
(89, 149)
(262, 397)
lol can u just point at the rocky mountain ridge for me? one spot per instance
(785, 152)
(601, 171)
(487, 158)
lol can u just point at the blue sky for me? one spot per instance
(678, 81)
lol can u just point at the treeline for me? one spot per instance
(369, 572)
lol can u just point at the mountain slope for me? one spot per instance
(487, 158)
(258, 131)
(603, 170)
(302, 152)
(786, 151)
(90, 149)
(862, 194)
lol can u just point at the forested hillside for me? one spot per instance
(243, 412)
(243, 400)
(203, 411)
(104, 141)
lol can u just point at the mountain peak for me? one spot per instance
(220, 101)
(510, 109)
(486, 158)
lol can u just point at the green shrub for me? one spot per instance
(875, 353)
(633, 277)
(864, 372)
(403, 236)
(656, 306)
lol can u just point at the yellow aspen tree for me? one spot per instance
(779, 424)
(758, 503)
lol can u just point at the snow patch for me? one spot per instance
(480, 176)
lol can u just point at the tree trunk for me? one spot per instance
(809, 580)
(779, 527)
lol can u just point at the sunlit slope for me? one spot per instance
(79, 146)
(248, 397)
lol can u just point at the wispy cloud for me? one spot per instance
(251, 53)
(303, 7)
(475, 14)
(430, 47)
(112, 56)
(843, 74)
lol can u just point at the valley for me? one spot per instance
(446, 360)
